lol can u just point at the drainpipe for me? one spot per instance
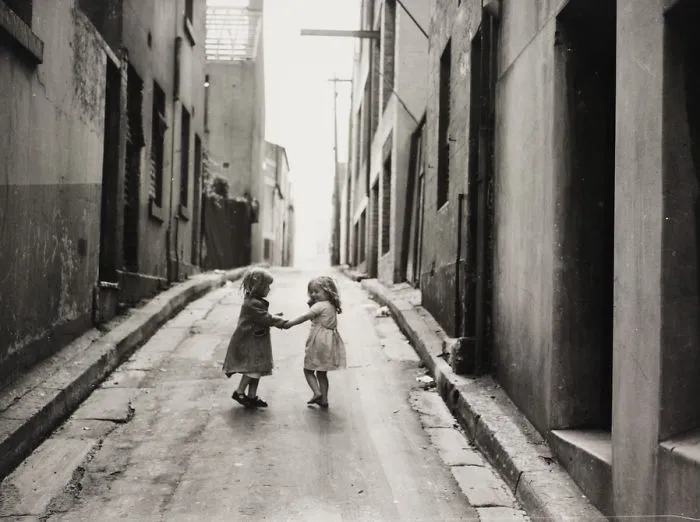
(368, 170)
(176, 96)
(458, 297)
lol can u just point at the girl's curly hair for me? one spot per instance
(253, 281)
(327, 284)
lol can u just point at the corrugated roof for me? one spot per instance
(233, 29)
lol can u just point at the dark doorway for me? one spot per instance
(110, 256)
(412, 233)
(386, 207)
(681, 258)
(476, 322)
(373, 261)
(197, 201)
(444, 114)
(132, 180)
(586, 32)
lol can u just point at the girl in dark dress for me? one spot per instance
(250, 349)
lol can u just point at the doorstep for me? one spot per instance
(587, 456)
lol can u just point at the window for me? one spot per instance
(376, 81)
(443, 177)
(158, 127)
(388, 42)
(366, 121)
(386, 206)
(363, 235)
(15, 30)
(188, 22)
(185, 158)
(22, 8)
(132, 176)
(358, 142)
(368, 14)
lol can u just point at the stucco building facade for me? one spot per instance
(277, 207)
(97, 211)
(560, 225)
(388, 101)
(235, 114)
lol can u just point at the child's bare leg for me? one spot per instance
(245, 380)
(312, 381)
(253, 387)
(323, 385)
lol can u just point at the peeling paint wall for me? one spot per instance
(51, 134)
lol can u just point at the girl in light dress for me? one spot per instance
(325, 350)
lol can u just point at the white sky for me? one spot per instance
(299, 105)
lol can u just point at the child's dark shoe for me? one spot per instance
(315, 399)
(257, 402)
(241, 399)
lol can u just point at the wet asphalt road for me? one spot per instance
(168, 443)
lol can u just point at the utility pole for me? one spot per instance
(335, 238)
(362, 35)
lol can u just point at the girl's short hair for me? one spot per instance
(254, 279)
(327, 284)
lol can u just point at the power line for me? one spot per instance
(413, 18)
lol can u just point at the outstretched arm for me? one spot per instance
(262, 317)
(301, 319)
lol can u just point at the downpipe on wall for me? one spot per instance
(458, 297)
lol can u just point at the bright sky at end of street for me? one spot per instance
(299, 106)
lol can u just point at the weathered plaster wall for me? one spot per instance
(154, 63)
(236, 125)
(51, 133)
(439, 265)
(524, 268)
(230, 123)
(404, 111)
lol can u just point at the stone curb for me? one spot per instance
(503, 434)
(44, 400)
(352, 274)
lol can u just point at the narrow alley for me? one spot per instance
(161, 439)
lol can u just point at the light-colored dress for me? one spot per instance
(325, 350)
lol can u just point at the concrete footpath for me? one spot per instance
(503, 434)
(37, 403)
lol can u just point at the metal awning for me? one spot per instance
(233, 29)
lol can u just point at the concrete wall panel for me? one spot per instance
(638, 248)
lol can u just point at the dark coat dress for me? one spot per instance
(250, 348)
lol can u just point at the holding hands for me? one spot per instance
(283, 325)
